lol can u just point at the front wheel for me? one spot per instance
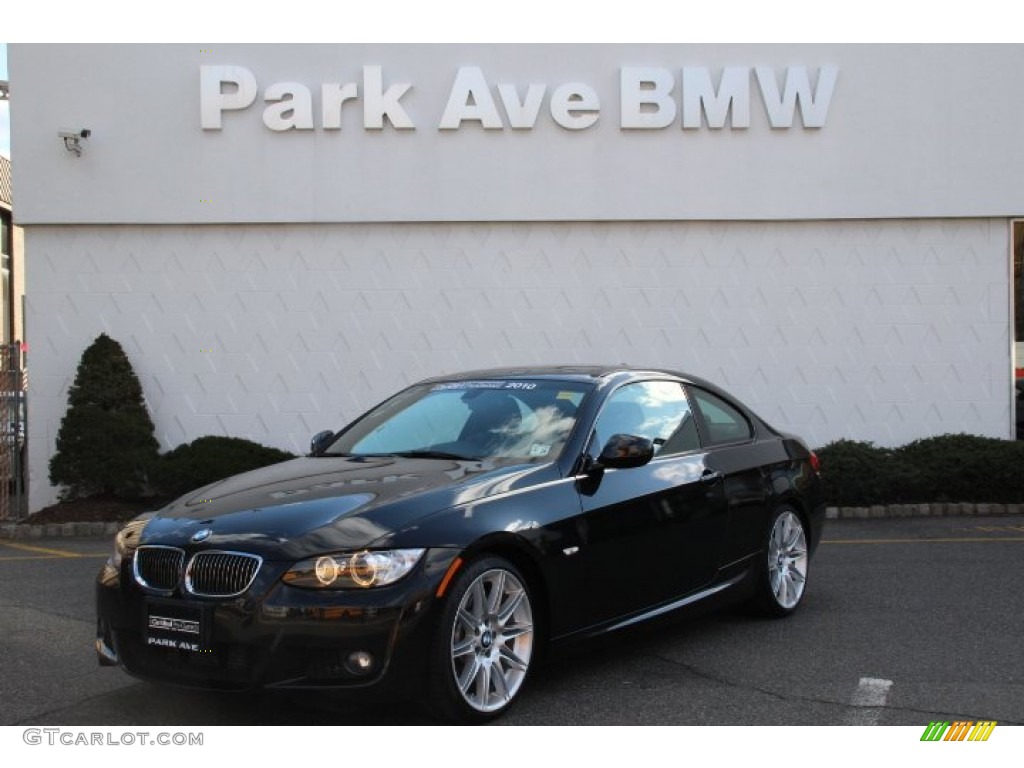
(484, 642)
(782, 577)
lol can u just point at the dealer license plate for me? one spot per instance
(176, 626)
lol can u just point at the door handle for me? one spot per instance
(710, 477)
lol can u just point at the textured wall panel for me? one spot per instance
(885, 331)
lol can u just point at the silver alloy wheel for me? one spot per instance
(787, 560)
(492, 640)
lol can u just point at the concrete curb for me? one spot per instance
(876, 512)
(957, 509)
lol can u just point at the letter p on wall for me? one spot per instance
(214, 100)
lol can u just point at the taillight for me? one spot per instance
(815, 462)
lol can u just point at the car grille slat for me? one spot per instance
(158, 567)
(221, 574)
(212, 573)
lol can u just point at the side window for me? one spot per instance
(657, 410)
(724, 422)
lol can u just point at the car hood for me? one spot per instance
(314, 505)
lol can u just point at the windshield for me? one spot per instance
(521, 419)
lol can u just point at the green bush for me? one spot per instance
(954, 468)
(105, 444)
(208, 459)
(852, 473)
(948, 468)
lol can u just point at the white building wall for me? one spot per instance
(911, 131)
(882, 330)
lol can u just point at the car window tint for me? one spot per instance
(724, 422)
(437, 419)
(499, 419)
(657, 410)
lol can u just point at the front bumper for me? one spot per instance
(274, 635)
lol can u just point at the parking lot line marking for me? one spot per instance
(960, 540)
(869, 700)
(45, 550)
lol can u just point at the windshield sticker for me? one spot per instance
(457, 385)
(539, 449)
(461, 385)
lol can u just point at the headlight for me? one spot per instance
(127, 539)
(353, 570)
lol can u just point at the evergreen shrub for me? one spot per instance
(105, 443)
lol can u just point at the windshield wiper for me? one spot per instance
(423, 454)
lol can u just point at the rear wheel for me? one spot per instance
(484, 642)
(782, 577)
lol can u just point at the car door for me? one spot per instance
(652, 533)
(733, 453)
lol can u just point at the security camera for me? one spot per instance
(73, 139)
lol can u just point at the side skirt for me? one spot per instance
(676, 605)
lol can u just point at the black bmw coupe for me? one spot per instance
(436, 545)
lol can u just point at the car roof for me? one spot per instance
(587, 373)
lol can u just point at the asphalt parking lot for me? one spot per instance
(906, 621)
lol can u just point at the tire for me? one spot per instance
(782, 566)
(483, 645)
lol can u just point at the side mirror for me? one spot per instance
(320, 441)
(626, 452)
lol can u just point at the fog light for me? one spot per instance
(360, 663)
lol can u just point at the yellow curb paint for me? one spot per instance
(51, 557)
(44, 550)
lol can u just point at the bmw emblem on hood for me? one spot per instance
(202, 534)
